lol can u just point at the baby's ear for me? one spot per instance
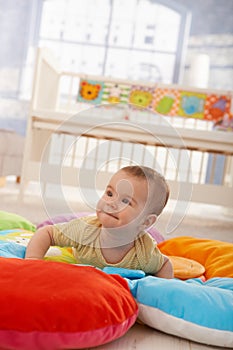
(149, 221)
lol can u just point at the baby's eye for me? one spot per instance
(109, 193)
(126, 201)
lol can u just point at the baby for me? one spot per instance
(116, 236)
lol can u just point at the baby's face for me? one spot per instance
(123, 202)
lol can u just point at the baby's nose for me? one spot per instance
(116, 205)
(112, 205)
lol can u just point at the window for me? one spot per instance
(133, 39)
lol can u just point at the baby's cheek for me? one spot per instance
(100, 204)
(124, 207)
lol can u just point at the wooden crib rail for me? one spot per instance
(132, 142)
(56, 90)
(186, 150)
(126, 131)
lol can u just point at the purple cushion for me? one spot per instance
(155, 234)
(67, 217)
(62, 218)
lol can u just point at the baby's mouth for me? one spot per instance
(111, 214)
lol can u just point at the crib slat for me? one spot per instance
(201, 168)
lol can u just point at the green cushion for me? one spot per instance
(10, 221)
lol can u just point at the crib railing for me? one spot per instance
(58, 90)
(69, 143)
(76, 153)
(67, 101)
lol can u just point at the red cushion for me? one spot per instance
(49, 305)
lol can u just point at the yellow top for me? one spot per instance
(83, 235)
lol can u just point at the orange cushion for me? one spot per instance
(186, 268)
(215, 256)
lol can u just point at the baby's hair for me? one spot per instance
(158, 186)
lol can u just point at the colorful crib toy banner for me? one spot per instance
(166, 101)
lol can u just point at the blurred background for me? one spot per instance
(185, 42)
(170, 41)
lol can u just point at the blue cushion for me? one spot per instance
(12, 250)
(190, 309)
(13, 242)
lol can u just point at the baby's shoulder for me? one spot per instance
(147, 236)
(91, 220)
(146, 239)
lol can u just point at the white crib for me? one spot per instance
(11, 154)
(75, 144)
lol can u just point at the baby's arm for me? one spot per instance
(40, 243)
(166, 270)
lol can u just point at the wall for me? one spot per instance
(18, 25)
(219, 48)
(211, 33)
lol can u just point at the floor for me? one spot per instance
(196, 220)
(144, 338)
